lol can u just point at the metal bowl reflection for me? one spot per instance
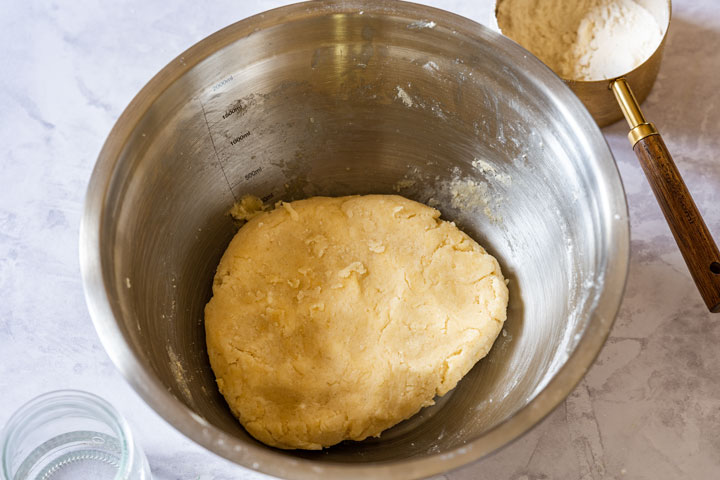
(342, 98)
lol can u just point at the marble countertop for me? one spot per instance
(648, 409)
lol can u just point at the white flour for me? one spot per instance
(402, 95)
(583, 39)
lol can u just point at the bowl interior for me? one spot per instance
(352, 101)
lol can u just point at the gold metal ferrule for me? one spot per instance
(639, 127)
(641, 131)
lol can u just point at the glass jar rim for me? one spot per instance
(59, 399)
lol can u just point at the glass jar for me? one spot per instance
(69, 434)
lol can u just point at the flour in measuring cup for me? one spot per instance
(583, 39)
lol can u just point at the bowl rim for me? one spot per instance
(273, 462)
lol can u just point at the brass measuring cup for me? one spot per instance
(611, 99)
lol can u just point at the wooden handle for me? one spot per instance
(691, 234)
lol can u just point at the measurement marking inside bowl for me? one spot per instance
(217, 156)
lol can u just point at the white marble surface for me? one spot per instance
(648, 409)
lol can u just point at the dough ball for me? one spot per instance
(335, 318)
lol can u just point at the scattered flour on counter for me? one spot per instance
(583, 39)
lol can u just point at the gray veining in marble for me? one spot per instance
(648, 409)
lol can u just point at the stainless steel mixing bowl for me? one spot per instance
(337, 98)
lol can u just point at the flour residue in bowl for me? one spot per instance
(403, 96)
(466, 193)
(488, 170)
(431, 67)
(583, 39)
(180, 375)
(421, 24)
(460, 191)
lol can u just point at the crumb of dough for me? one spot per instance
(248, 207)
